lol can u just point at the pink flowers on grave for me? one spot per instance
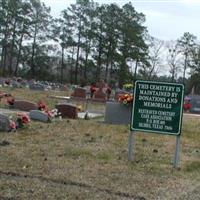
(44, 108)
(24, 118)
(10, 100)
(52, 113)
(13, 125)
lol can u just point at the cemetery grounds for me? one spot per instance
(87, 159)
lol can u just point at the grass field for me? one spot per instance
(87, 159)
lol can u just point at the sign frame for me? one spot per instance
(132, 128)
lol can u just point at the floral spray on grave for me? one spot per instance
(52, 114)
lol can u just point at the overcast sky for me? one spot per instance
(165, 19)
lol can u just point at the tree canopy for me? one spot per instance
(87, 43)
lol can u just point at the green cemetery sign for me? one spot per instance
(157, 107)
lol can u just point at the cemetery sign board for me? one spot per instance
(158, 107)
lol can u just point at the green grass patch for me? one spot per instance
(104, 156)
(76, 153)
(193, 166)
(91, 153)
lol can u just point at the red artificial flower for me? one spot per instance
(42, 106)
(187, 106)
(24, 118)
(126, 99)
(10, 100)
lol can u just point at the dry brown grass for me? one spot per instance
(78, 159)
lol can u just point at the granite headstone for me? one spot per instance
(117, 113)
(25, 105)
(39, 115)
(67, 110)
(4, 123)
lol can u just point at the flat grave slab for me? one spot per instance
(39, 115)
(79, 93)
(37, 86)
(25, 105)
(81, 115)
(195, 101)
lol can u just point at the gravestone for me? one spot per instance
(67, 110)
(79, 92)
(25, 105)
(99, 95)
(7, 81)
(16, 84)
(195, 101)
(37, 86)
(101, 84)
(2, 81)
(117, 113)
(4, 123)
(39, 115)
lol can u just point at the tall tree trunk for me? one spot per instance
(185, 66)
(12, 48)
(77, 55)
(4, 51)
(19, 54)
(33, 53)
(4, 47)
(99, 60)
(4, 60)
(85, 67)
(62, 65)
(107, 66)
(108, 61)
(86, 60)
(71, 66)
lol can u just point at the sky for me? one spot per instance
(165, 19)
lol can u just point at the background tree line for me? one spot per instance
(89, 42)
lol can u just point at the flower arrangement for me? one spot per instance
(13, 125)
(10, 100)
(22, 119)
(126, 99)
(51, 113)
(42, 106)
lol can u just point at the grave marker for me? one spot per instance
(79, 92)
(37, 86)
(195, 101)
(67, 110)
(25, 105)
(117, 113)
(100, 95)
(4, 123)
(39, 115)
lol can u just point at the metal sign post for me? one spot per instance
(86, 109)
(177, 152)
(131, 145)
